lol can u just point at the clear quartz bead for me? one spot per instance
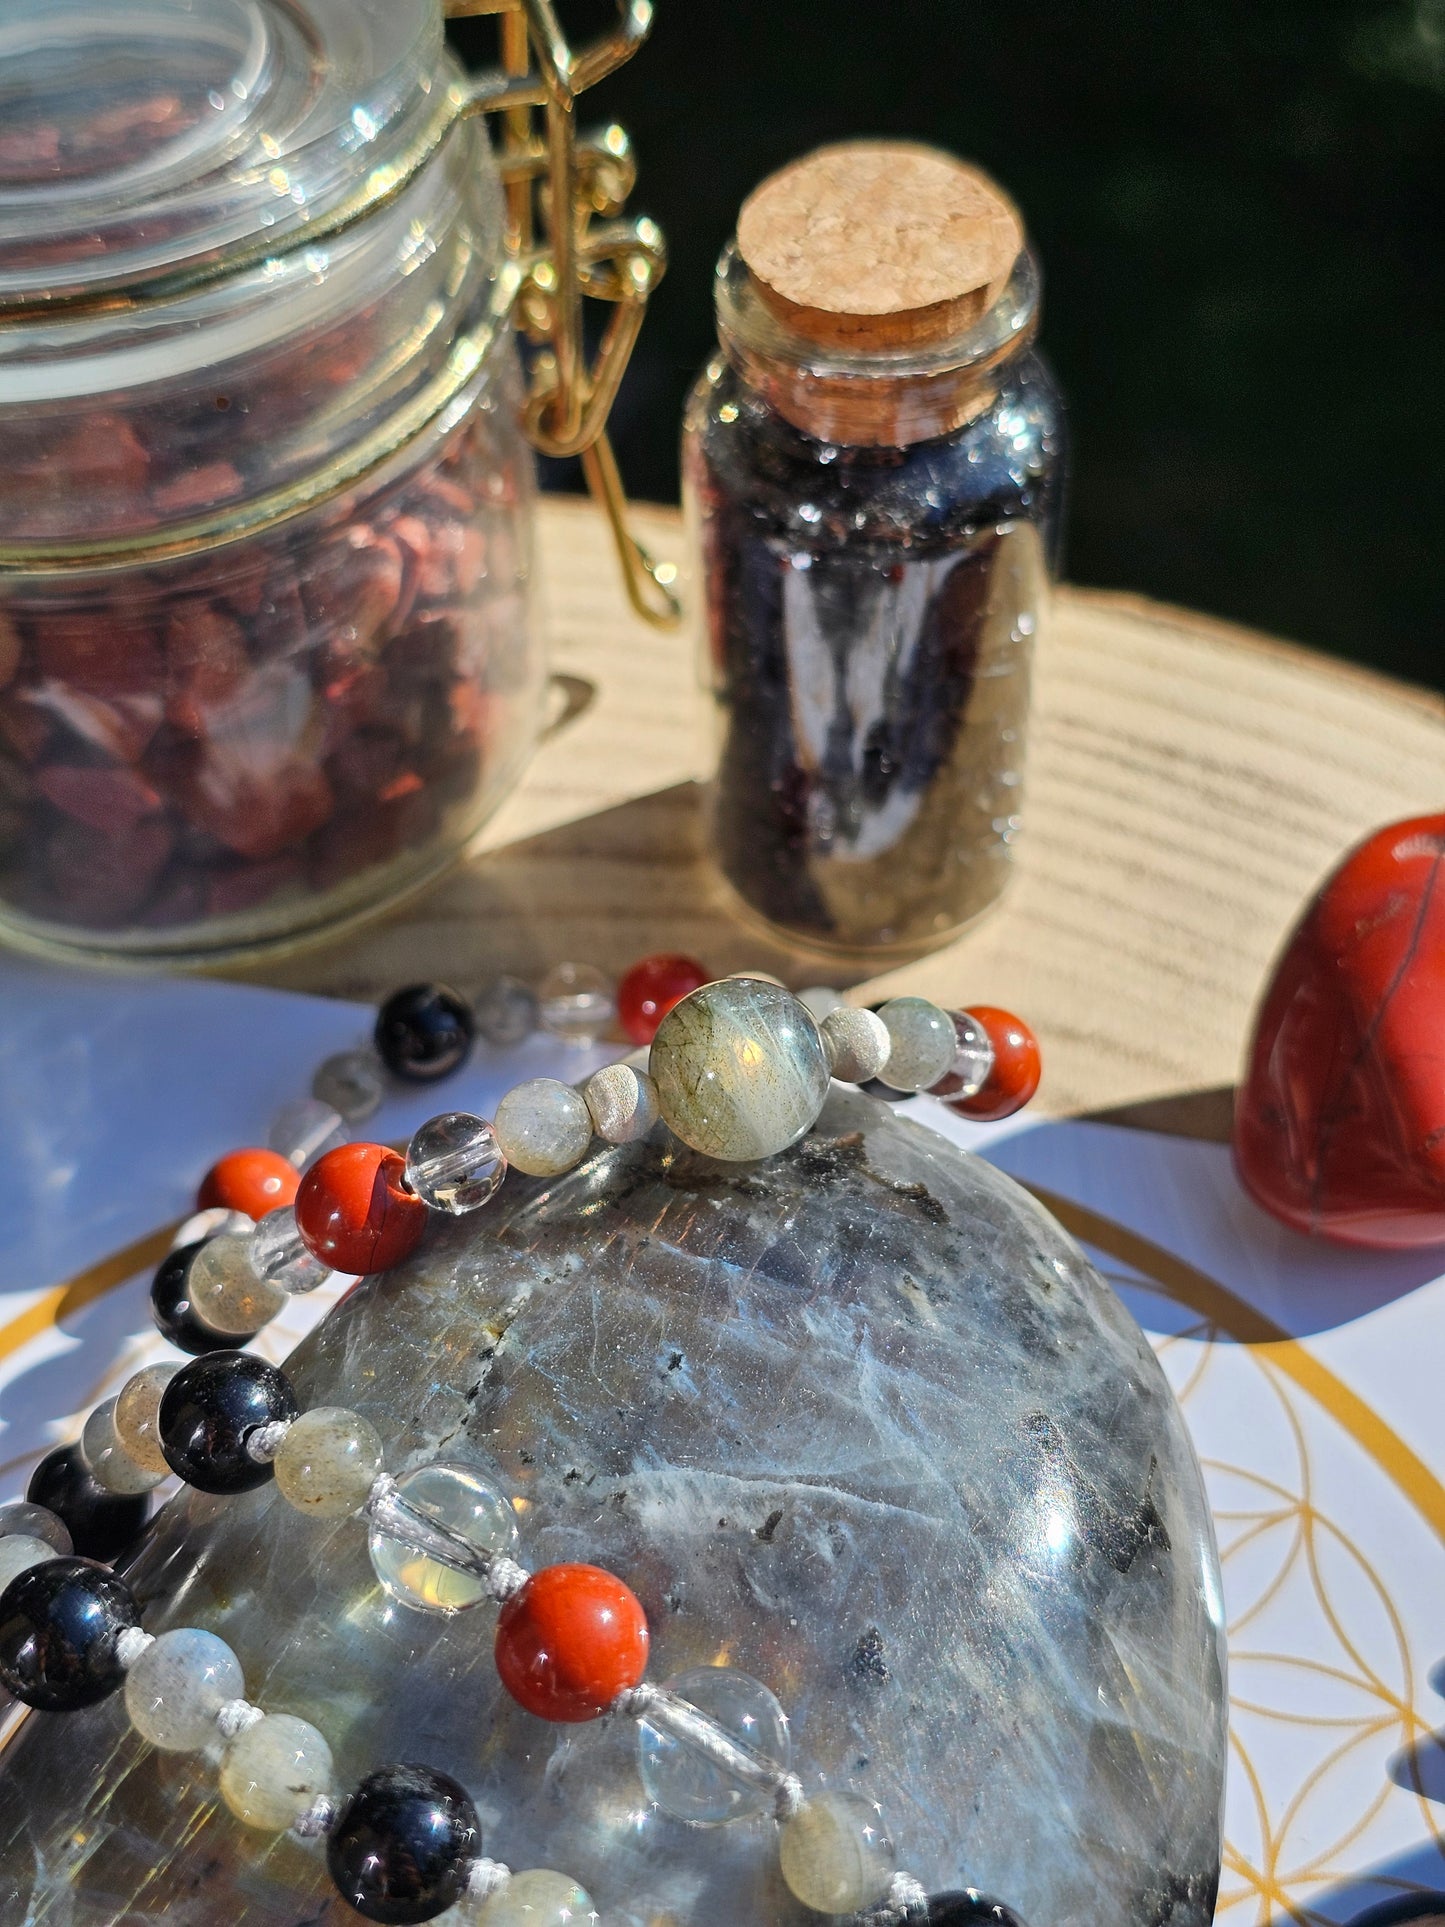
(855, 1043)
(328, 1461)
(921, 1043)
(972, 1061)
(225, 1292)
(623, 1102)
(544, 1127)
(305, 1129)
(138, 1413)
(506, 1012)
(281, 1259)
(538, 1898)
(174, 1691)
(113, 1466)
(454, 1163)
(458, 1497)
(679, 1775)
(836, 1855)
(19, 1552)
(577, 1002)
(22, 1519)
(273, 1770)
(353, 1083)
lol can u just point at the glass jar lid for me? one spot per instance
(157, 141)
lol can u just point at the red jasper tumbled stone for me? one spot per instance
(1339, 1123)
(570, 1641)
(354, 1210)
(253, 1181)
(1017, 1067)
(651, 988)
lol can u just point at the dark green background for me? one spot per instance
(1239, 211)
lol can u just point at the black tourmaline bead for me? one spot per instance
(400, 1845)
(424, 1032)
(101, 1524)
(208, 1411)
(171, 1306)
(59, 1623)
(970, 1909)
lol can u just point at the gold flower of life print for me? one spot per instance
(1324, 1683)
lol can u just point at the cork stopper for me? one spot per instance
(879, 245)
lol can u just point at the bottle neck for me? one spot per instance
(873, 398)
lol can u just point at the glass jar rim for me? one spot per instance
(148, 147)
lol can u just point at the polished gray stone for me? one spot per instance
(860, 1422)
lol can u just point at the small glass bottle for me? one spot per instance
(873, 470)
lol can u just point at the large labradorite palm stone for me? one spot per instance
(859, 1421)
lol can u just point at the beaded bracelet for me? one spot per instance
(739, 1069)
(571, 1645)
(236, 1262)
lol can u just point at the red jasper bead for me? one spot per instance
(570, 1641)
(253, 1181)
(354, 1210)
(1017, 1067)
(651, 988)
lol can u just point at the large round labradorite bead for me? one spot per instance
(740, 1069)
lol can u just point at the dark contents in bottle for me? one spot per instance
(870, 614)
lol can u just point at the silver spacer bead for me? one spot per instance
(318, 1819)
(263, 1442)
(485, 1878)
(236, 1716)
(788, 1799)
(130, 1645)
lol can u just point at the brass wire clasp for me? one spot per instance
(564, 194)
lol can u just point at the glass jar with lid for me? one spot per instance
(873, 473)
(268, 639)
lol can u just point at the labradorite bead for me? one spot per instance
(18, 1553)
(328, 1462)
(543, 1127)
(740, 1069)
(835, 1854)
(179, 1684)
(539, 1898)
(138, 1416)
(922, 1043)
(21, 1518)
(272, 1771)
(172, 1310)
(105, 1454)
